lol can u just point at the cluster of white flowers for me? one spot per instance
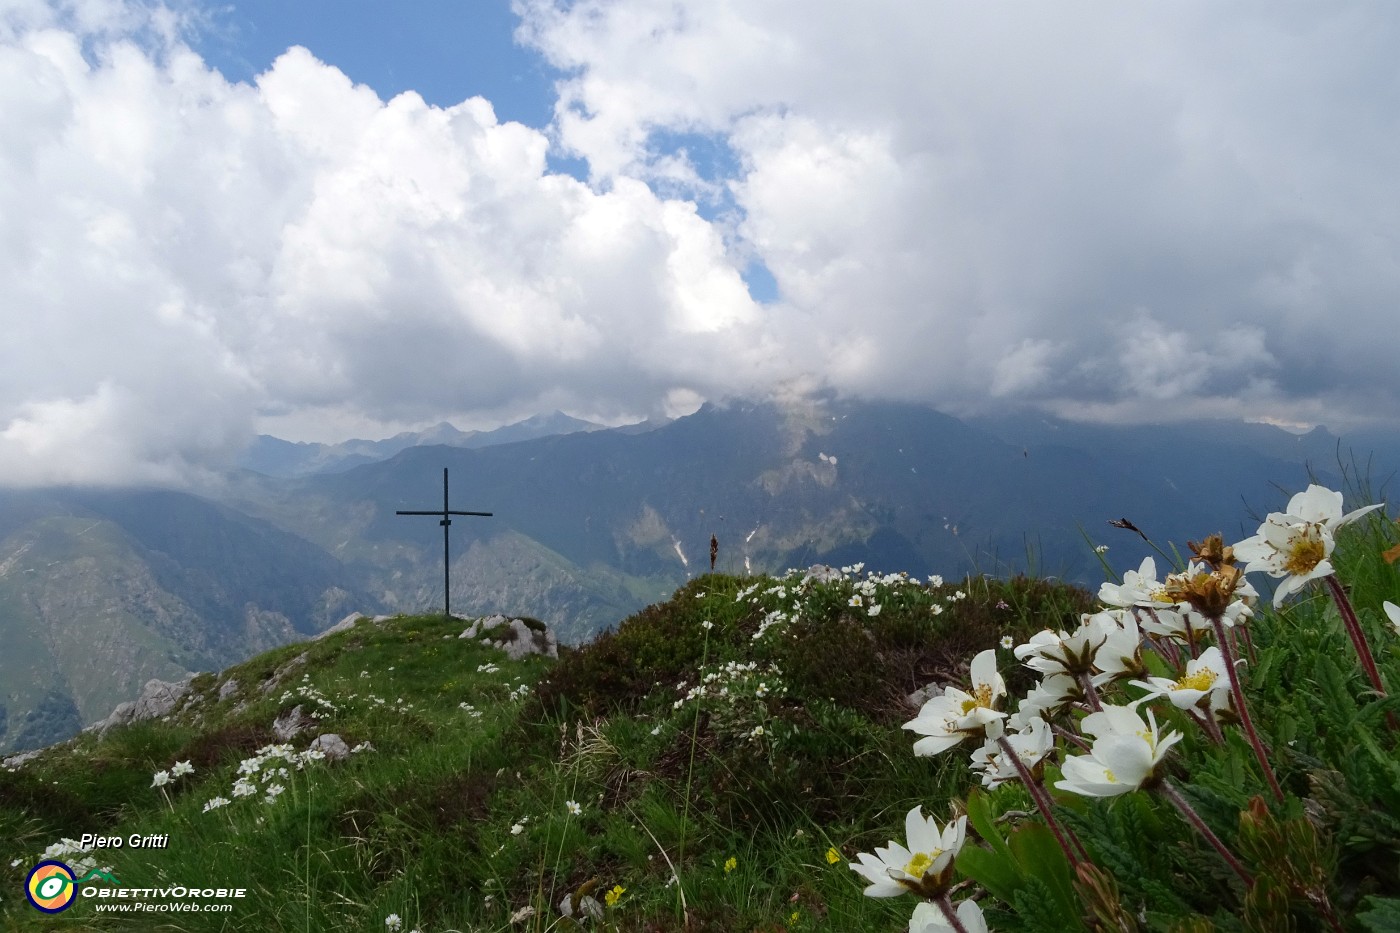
(179, 769)
(268, 764)
(1123, 746)
(310, 693)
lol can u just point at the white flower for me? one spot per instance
(273, 791)
(1060, 653)
(873, 609)
(393, 922)
(855, 599)
(1124, 756)
(244, 788)
(1120, 655)
(181, 768)
(1296, 544)
(1031, 745)
(161, 779)
(1101, 549)
(517, 828)
(1205, 679)
(928, 918)
(1393, 611)
(947, 720)
(573, 807)
(924, 868)
(1008, 642)
(216, 803)
(1139, 588)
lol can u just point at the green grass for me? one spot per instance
(710, 811)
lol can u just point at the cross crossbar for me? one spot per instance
(446, 523)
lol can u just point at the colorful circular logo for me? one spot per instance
(50, 887)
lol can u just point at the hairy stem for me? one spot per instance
(1237, 692)
(1166, 789)
(1042, 800)
(946, 905)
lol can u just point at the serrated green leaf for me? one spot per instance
(1381, 915)
(1039, 856)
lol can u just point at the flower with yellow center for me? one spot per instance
(1205, 684)
(615, 895)
(1297, 544)
(924, 868)
(1123, 758)
(947, 720)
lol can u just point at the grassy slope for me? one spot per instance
(736, 810)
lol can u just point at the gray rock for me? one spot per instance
(17, 760)
(517, 637)
(290, 723)
(228, 688)
(343, 625)
(332, 745)
(281, 673)
(158, 698)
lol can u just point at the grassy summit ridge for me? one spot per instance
(715, 763)
(465, 746)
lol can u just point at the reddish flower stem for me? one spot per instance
(1237, 692)
(1358, 639)
(1172, 794)
(945, 904)
(1042, 800)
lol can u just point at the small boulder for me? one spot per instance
(517, 637)
(228, 688)
(290, 723)
(331, 745)
(343, 625)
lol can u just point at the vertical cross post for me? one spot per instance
(446, 523)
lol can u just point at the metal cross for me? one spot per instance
(445, 523)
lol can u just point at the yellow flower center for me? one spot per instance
(1201, 680)
(1109, 776)
(981, 696)
(1305, 553)
(921, 862)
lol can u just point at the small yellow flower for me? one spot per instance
(832, 856)
(795, 914)
(615, 895)
(731, 864)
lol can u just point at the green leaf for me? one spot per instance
(995, 871)
(1382, 915)
(1039, 855)
(979, 814)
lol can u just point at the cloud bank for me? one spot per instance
(1139, 212)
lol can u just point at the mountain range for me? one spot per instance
(101, 590)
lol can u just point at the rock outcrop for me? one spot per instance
(517, 637)
(158, 698)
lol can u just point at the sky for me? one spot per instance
(326, 219)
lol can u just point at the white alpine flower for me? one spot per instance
(1393, 612)
(928, 918)
(956, 715)
(1205, 678)
(1297, 544)
(924, 868)
(1124, 756)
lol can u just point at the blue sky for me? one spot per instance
(444, 51)
(622, 208)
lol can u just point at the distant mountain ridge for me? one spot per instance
(276, 457)
(102, 590)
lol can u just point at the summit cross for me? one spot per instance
(446, 523)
